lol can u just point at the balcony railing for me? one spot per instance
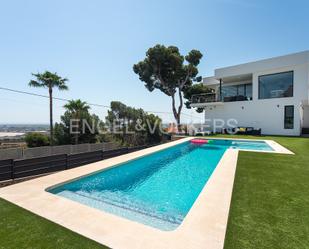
(215, 97)
(205, 98)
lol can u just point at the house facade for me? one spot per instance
(271, 95)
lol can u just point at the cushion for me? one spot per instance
(242, 129)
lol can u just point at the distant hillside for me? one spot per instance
(23, 128)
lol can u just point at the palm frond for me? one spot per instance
(50, 80)
(34, 83)
(77, 106)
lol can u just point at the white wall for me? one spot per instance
(262, 65)
(306, 117)
(264, 114)
(267, 114)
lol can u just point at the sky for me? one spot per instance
(95, 44)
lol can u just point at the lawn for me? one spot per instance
(270, 202)
(20, 229)
(269, 207)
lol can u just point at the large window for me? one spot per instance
(289, 117)
(237, 92)
(277, 85)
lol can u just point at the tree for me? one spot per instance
(117, 116)
(64, 136)
(164, 68)
(36, 139)
(49, 80)
(78, 110)
(145, 127)
(195, 89)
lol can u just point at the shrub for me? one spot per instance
(35, 139)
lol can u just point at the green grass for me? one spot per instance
(270, 207)
(20, 229)
(270, 202)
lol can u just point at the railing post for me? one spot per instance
(66, 161)
(12, 169)
(220, 92)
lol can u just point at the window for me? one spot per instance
(277, 85)
(248, 90)
(289, 117)
(229, 91)
(240, 92)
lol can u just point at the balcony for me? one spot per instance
(205, 99)
(209, 99)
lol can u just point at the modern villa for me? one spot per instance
(271, 95)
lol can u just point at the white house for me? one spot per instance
(271, 95)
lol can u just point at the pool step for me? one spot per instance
(114, 203)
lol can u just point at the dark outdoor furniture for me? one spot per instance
(248, 131)
(242, 131)
(236, 98)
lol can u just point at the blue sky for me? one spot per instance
(95, 43)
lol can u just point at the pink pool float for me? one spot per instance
(199, 141)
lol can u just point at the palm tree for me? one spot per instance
(78, 109)
(49, 80)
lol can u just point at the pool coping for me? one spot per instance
(204, 226)
(277, 148)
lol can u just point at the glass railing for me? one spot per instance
(205, 98)
(214, 97)
(236, 98)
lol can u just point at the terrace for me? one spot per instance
(226, 89)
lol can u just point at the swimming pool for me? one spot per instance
(158, 189)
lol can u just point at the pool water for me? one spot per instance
(158, 189)
(244, 144)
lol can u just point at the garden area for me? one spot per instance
(269, 206)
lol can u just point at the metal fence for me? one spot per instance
(19, 168)
(27, 153)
